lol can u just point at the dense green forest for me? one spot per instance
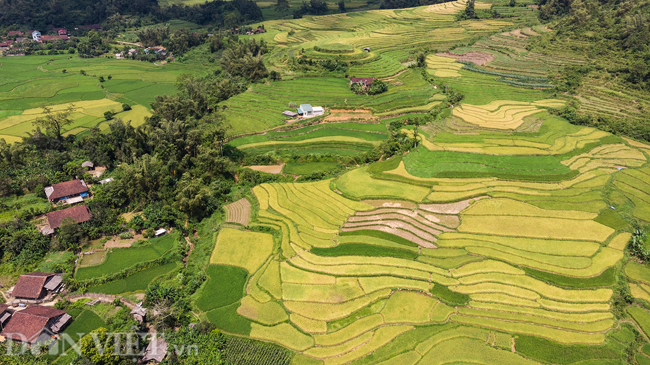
(46, 15)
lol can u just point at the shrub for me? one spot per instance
(126, 235)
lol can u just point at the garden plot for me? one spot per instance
(238, 212)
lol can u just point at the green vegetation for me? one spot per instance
(85, 322)
(606, 278)
(381, 235)
(225, 286)
(448, 296)
(358, 249)
(124, 258)
(464, 209)
(136, 282)
(425, 163)
(244, 351)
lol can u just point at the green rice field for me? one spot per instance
(29, 83)
(120, 259)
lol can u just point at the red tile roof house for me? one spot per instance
(5, 315)
(66, 190)
(35, 324)
(80, 213)
(36, 285)
(363, 81)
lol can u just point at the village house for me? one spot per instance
(36, 285)
(36, 36)
(15, 33)
(156, 351)
(5, 315)
(307, 111)
(363, 81)
(139, 313)
(35, 324)
(66, 190)
(6, 45)
(80, 214)
(88, 165)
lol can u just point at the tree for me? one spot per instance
(126, 107)
(342, 6)
(282, 6)
(98, 346)
(54, 122)
(468, 13)
(422, 60)
(513, 3)
(108, 115)
(318, 7)
(70, 234)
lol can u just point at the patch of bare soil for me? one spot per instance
(475, 57)
(238, 212)
(117, 242)
(390, 203)
(416, 221)
(98, 171)
(449, 208)
(340, 115)
(396, 231)
(271, 169)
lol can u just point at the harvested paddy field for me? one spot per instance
(238, 212)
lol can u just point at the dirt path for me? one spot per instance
(102, 298)
(186, 258)
(129, 43)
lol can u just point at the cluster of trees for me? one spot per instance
(173, 167)
(377, 87)
(115, 13)
(639, 129)
(177, 42)
(306, 64)
(399, 4)
(618, 34)
(314, 7)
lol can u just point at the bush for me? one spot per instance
(126, 235)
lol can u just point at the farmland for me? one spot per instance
(498, 238)
(463, 214)
(124, 258)
(67, 81)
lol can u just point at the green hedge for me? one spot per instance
(361, 249)
(380, 234)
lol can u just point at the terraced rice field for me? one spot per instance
(238, 212)
(499, 239)
(448, 263)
